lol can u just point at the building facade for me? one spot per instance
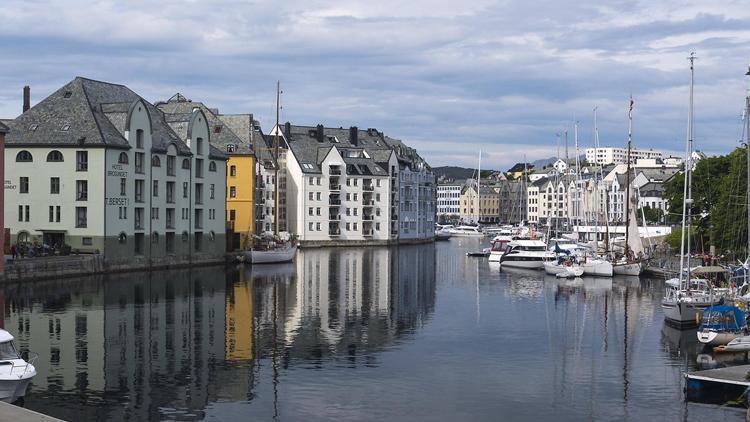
(448, 200)
(611, 155)
(482, 208)
(117, 177)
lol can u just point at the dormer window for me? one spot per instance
(231, 147)
(24, 157)
(65, 128)
(217, 129)
(67, 94)
(33, 127)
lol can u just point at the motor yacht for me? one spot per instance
(526, 254)
(15, 373)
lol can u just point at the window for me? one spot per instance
(123, 186)
(23, 185)
(139, 191)
(310, 211)
(198, 167)
(184, 189)
(139, 157)
(199, 146)
(170, 218)
(139, 138)
(138, 219)
(154, 213)
(82, 190)
(169, 241)
(317, 196)
(232, 192)
(155, 188)
(55, 156)
(317, 211)
(57, 213)
(138, 243)
(198, 239)
(170, 165)
(81, 220)
(186, 164)
(155, 237)
(231, 215)
(310, 196)
(233, 171)
(311, 181)
(123, 158)
(317, 181)
(170, 192)
(155, 161)
(51, 214)
(212, 166)
(24, 157)
(87, 241)
(317, 226)
(198, 193)
(211, 190)
(198, 219)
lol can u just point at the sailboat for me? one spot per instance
(280, 247)
(685, 297)
(629, 263)
(467, 230)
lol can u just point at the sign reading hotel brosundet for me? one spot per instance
(117, 171)
(9, 185)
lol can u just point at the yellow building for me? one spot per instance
(240, 199)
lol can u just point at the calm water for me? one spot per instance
(410, 333)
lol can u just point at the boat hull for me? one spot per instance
(597, 267)
(683, 314)
(739, 344)
(12, 390)
(496, 256)
(528, 264)
(553, 268)
(716, 338)
(273, 256)
(628, 269)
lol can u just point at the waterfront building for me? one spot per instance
(96, 167)
(548, 200)
(611, 155)
(512, 207)
(352, 185)
(479, 207)
(241, 171)
(448, 200)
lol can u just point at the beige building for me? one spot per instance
(479, 208)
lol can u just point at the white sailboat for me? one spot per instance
(281, 247)
(685, 297)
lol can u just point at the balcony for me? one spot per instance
(366, 217)
(334, 231)
(394, 217)
(334, 217)
(334, 201)
(334, 170)
(369, 188)
(367, 203)
(334, 187)
(367, 233)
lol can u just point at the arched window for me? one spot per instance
(212, 166)
(155, 161)
(123, 158)
(186, 164)
(23, 237)
(55, 156)
(139, 138)
(184, 236)
(122, 238)
(24, 157)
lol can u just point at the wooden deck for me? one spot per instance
(722, 386)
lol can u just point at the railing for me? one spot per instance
(334, 217)
(394, 217)
(368, 203)
(367, 233)
(334, 232)
(334, 187)
(368, 187)
(335, 171)
(367, 218)
(31, 357)
(334, 202)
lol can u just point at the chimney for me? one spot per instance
(319, 133)
(288, 130)
(353, 135)
(26, 98)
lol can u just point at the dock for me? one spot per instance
(721, 386)
(12, 413)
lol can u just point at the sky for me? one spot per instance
(448, 78)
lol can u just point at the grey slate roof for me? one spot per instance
(3, 128)
(221, 135)
(94, 113)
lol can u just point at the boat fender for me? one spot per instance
(698, 318)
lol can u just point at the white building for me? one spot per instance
(96, 167)
(611, 155)
(448, 199)
(347, 185)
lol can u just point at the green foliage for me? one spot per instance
(719, 191)
(653, 215)
(674, 238)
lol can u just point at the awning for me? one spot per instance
(709, 270)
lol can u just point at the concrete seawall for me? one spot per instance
(12, 413)
(356, 243)
(76, 265)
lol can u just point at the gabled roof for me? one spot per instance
(3, 128)
(221, 135)
(91, 113)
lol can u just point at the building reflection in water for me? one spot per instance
(167, 344)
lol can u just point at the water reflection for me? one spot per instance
(169, 344)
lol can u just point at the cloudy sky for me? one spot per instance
(449, 78)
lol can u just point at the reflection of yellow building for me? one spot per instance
(240, 191)
(238, 331)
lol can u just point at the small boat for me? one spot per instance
(597, 267)
(466, 231)
(682, 305)
(442, 234)
(499, 246)
(623, 267)
(479, 254)
(526, 254)
(276, 255)
(15, 373)
(737, 345)
(721, 324)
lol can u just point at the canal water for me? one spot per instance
(411, 333)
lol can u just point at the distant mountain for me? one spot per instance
(459, 173)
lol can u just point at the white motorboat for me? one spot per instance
(738, 344)
(466, 231)
(15, 373)
(526, 254)
(499, 247)
(276, 255)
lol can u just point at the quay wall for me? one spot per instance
(76, 265)
(355, 243)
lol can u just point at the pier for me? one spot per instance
(721, 386)
(12, 413)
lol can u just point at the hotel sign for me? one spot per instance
(9, 184)
(117, 171)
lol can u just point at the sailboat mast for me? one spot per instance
(687, 192)
(747, 141)
(627, 178)
(276, 165)
(576, 190)
(596, 183)
(479, 175)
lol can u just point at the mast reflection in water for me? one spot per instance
(411, 333)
